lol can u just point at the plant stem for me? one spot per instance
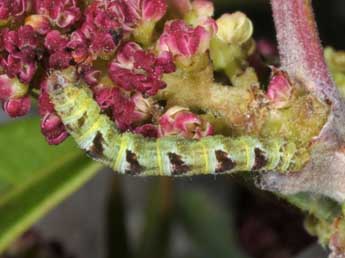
(300, 49)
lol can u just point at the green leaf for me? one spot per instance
(35, 177)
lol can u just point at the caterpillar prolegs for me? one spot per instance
(128, 153)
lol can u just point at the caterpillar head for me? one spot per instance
(59, 79)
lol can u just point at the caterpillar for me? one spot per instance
(128, 153)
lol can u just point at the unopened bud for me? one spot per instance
(180, 121)
(17, 107)
(11, 88)
(235, 28)
(279, 89)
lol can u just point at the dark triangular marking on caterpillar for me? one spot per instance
(96, 149)
(179, 167)
(224, 162)
(81, 120)
(134, 166)
(260, 159)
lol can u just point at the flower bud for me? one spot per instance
(11, 9)
(4, 14)
(147, 130)
(180, 121)
(200, 14)
(53, 129)
(182, 40)
(80, 48)
(143, 107)
(125, 112)
(279, 90)
(150, 12)
(153, 10)
(56, 43)
(203, 8)
(90, 75)
(104, 96)
(17, 107)
(11, 88)
(21, 46)
(51, 125)
(235, 28)
(39, 23)
(62, 13)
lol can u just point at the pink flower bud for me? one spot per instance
(21, 47)
(11, 88)
(183, 40)
(106, 23)
(4, 12)
(153, 10)
(103, 45)
(24, 70)
(13, 8)
(62, 13)
(53, 129)
(55, 41)
(127, 111)
(80, 49)
(279, 89)
(134, 69)
(111, 15)
(23, 39)
(56, 44)
(147, 130)
(123, 111)
(10, 40)
(180, 121)
(51, 125)
(203, 8)
(17, 107)
(90, 75)
(105, 96)
(39, 23)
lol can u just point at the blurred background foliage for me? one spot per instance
(112, 216)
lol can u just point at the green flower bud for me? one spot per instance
(235, 28)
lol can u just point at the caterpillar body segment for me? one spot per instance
(128, 153)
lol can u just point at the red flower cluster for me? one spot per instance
(127, 111)
(61, 13)
(105, 25)
(137, 70)
(56, 44)
(58, 34)
(20, 57)
(18, 60)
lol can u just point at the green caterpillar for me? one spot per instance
(128, 153)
